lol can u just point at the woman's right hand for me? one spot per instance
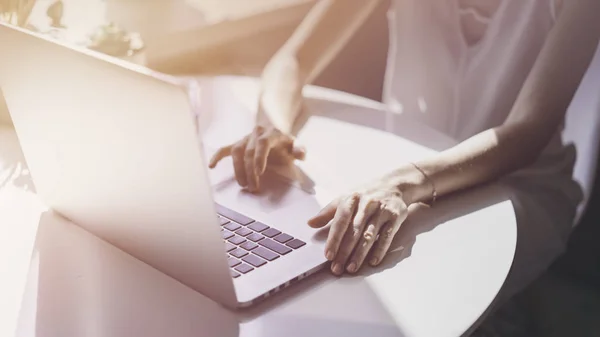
(270, 143)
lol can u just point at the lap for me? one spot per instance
(544, 220)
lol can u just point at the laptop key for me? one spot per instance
(237, 240)
(239, 253)
(271, 232)
(233, 215)
(244, 268)
(226, 234)
(234, 274)
(255, 237)
(229, 247)
(232, 226)
(274, 246)
(283, 238)
(233, 262)
(295, 243)
(258, 226)
(265, 253)
(248, 245)
(223, 221)
(254, 260)
(243, 231)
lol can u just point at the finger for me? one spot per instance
(251, 176)
(219, 155)
(324, 216)
(366, 208)
(339, 224)
(381, 246)
(237, 154)
(364, 211)
(366, 241)
(299, 152)
(386, 236)
(263, 147)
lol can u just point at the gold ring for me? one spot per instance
(369, 234)
(389, 233)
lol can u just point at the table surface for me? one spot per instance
(66, 282)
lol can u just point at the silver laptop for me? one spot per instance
(115, 149)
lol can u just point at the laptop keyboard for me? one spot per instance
(251, 244)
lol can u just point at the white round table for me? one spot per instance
(449, 262)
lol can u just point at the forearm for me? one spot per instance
(318, 39)
(324, 32)
(477, 160)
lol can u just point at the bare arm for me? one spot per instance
(324, 32)
(535, 117)
(379, 209)
(314, 44)
(317, 40)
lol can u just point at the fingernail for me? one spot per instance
(329, 255)
(337, 269)
(352, 267)
(374, 261)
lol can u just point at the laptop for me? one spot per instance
(115, 148)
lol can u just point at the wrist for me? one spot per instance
(273, 122)
(286, 64)
(414, 186)
(262, 119)
(281, 94)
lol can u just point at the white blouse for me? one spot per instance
(458, 66)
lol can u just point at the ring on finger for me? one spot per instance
(389, 232)
(369, 234)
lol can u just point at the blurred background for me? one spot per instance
(233, 37)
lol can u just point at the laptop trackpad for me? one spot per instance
(281, 188)
(278, 188)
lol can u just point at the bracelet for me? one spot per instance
(430, 181)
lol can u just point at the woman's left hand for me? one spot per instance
(362, 223)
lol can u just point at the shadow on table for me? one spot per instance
(82, 286)
(422, 219)
(13, 168)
